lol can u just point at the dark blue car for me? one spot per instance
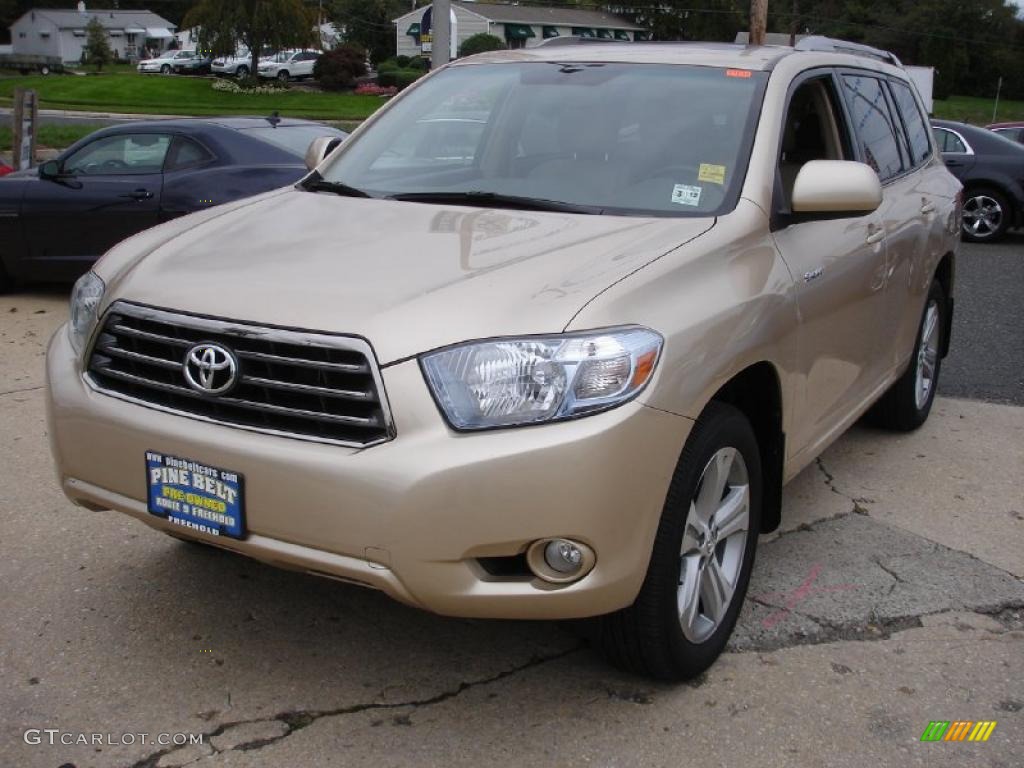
(58, 219)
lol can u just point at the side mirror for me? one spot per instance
(49, 170)
(835, 188)
(319, 149)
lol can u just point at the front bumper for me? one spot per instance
(411, 516)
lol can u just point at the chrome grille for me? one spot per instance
(293, 383)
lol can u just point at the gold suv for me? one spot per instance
(543, 339)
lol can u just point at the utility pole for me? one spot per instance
(441, 30)
(794, 27)
(758, 21)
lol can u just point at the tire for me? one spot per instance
(242, 72)
(906, 405)
(44, 70)
(283, 76)
(165, 69)
(648, 638)
(987, 215)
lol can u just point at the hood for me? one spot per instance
(408, 277)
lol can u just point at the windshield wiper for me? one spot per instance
(318, 184)
(496, 200)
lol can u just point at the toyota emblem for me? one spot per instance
(210, 369)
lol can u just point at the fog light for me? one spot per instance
(563, 556)
(560, 561)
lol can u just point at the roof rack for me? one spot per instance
(830, 45)
(553, 42)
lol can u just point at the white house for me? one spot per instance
(47, 32)
(518, 25)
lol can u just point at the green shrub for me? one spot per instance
(401, 61)
(399, 78)
(338, 69)
(388, 65)
(419, 63)
(481, 43)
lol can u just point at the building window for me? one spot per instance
(516, 35)
(549, 32)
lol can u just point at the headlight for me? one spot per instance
(509, 382)
(85, 304)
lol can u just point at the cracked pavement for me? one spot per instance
(891, 596)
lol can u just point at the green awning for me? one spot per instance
(621, 34)
(605, 34)
(413, 30)
(518, 31)
(583, 32)
(549, 32)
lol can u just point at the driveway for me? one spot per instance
(891, 597)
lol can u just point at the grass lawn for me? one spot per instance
(54, 136)
(154, 94)
(978, 111)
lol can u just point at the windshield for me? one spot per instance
(617, 138)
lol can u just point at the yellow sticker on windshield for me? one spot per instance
(712, 173)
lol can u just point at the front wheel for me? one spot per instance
(242, 72)
(906, 405)
(283, 76)
(986, 215)
(703, 554)
(165, 69)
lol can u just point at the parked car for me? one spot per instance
(1012, 131)
(162, 64)
(56, 220)
(233, 66)
(191, 63)
(991, 168)
(5, 169)
(557, 368)
(289, 64)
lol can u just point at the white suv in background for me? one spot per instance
(233, 66)
(290, 64)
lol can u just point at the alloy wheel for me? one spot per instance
(983, 216)
(927, 355)
(714, 542)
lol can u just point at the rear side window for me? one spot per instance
(186, 153)
(949, 141)
(874, 125)
(913, 121)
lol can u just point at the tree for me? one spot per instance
(96, 50)
(256, 24)
(480, 43)
(369, 23)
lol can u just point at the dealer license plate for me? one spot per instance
(196, 496)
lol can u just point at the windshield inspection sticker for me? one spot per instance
(711, 173)
(686, 195)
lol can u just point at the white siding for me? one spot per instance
(27, 38)
(468, 24)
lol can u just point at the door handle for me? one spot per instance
(139, 194)
(953, 163)
(928, 208)
(875, 236)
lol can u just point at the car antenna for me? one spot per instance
(274, 118)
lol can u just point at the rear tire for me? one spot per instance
(906, 405)
(702, 558)
(987, 214)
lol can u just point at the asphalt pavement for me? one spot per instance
(986, 361)
(891, 597)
